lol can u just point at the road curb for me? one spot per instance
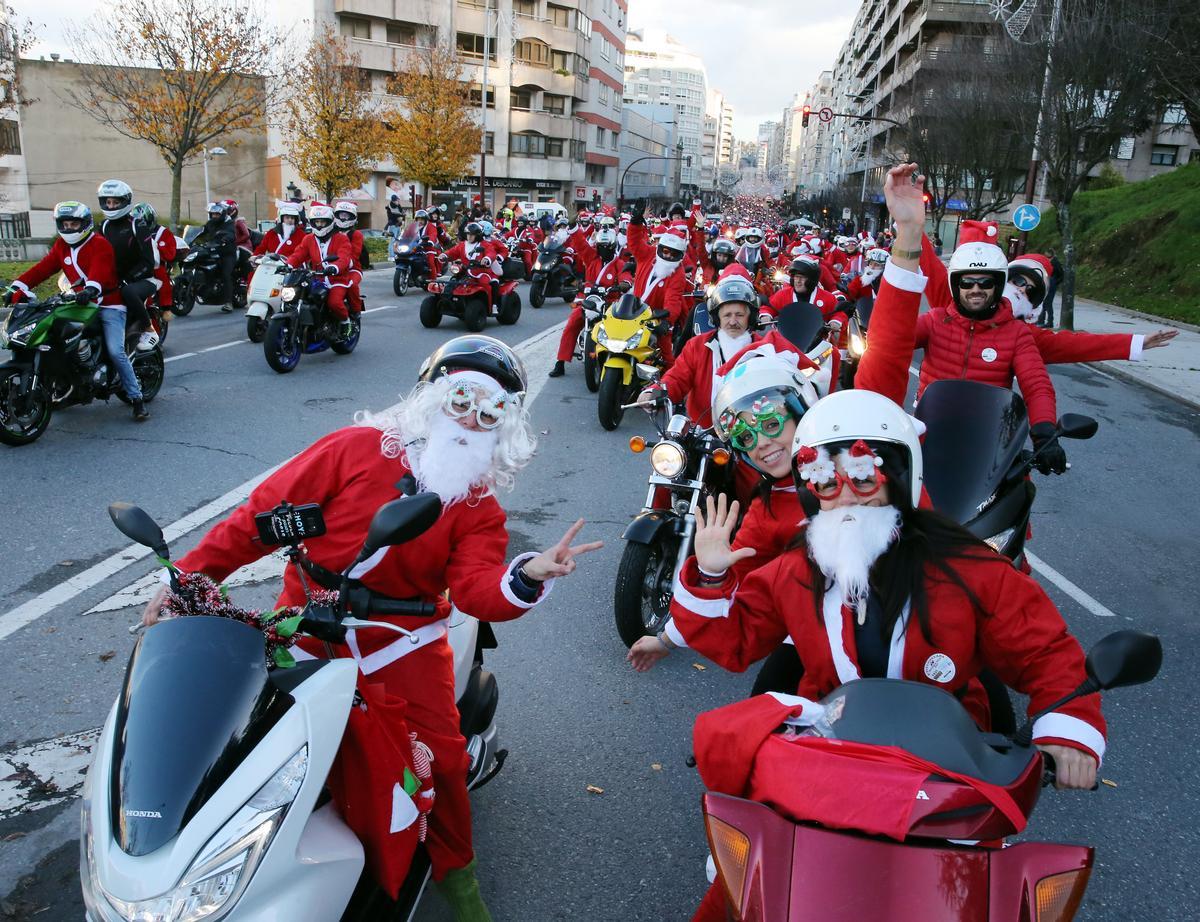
(1141, 315)
(1123, 374)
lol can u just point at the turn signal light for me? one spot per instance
(720, 457)
(731, 853)
(637, 444)
(1059, 896)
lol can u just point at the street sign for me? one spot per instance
(1027, 217)
(845, 214)
(825, 114)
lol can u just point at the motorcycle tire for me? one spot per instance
(608, 402)
(400, 282)
(475, 314)
(150, 370)
(185, 300)
(281, 346)
(431, 312)
(591, 369)
(346, 346)
(256, 329)
(537, 293)
(510, 309)
(27, 425)
(642, 595)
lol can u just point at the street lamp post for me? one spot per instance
(487, 47)
(206, 153)
(632, 163)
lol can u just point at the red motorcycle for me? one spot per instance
(471, 298)
(871, 849)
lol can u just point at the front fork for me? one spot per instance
(689, 517)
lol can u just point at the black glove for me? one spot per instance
(1051, 459)
(638, 215)
(84, 295)
(624, 286)
(329, 270)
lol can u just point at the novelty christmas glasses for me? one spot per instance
(462, 399)
(769, 419)
(860, 471)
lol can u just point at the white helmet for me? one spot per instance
(604, 236)
(672, 242)
(292, 208)
(345, 207)
(321, 213)
(753, 232)
(740, 234)
(978, 258)
(847, 416)
(760, 381)
(877, 255)
(115, 188)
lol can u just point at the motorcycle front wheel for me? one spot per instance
(185, 298)
(608, 402)
(281, 345)
(400, 282)
(591, 368)
(256, 329)
(642, 598)
(537, 293)
(23, 417)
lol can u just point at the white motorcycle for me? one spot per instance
(206, 797)
(264, 295)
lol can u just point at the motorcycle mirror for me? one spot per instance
(401, 520)
(135, 523)
(647, 372)
(1077, 426)
(1124, 658)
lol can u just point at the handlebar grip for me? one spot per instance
(401, 607)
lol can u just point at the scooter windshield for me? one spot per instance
(801, 324)
(197, 699)
(921, 719)
(975, 432)
(410, 235)
(862, 310)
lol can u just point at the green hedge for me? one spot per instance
(9, 271)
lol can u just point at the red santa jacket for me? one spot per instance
(165, 249)
(355, 238)
(272, 242)
(348, 476)
(533, 235)
(485, 254)
(241, 233)
(1022, 637)
(993, 351)
(601, 273)
(836, 259)
(665, 294)
(334, 250)
(830, 307)
(694, 376)
(90, 262)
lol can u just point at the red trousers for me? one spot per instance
(570, 333)
(336, 302)
(354, 295)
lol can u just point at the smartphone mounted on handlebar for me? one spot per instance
(287, 525)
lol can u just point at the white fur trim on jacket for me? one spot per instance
(674, 634)
(1135, 347)
(705, 608)
(506, 589)
(847, 670)
(811, 713)
(1065, 727)
(904, 279)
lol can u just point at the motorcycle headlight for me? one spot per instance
(287, 293)
(668, 459)
(634, 341)
(858, 345)
(780, 276)
(999, 542)
(538, 264)
(18, 336)
(191, 257)
(220, 873)
(403, 248)
(601, 336)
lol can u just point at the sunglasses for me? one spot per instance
(463, 400)
(1019, 281)
(985, 284)
(863, 489)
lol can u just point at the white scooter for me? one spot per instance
(264, 295)
(205, 799)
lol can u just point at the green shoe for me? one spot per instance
(460, 889)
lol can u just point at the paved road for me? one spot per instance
(1120, 527)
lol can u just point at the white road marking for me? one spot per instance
(176, 358)
(533, 352)
(236, 342)
(44, 774)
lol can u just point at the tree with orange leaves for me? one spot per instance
(176, 73)
(333, 127)
(434, 141)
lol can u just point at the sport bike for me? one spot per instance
(305, 324)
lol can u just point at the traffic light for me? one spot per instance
(805, 113)
(925, 198)
(412, 195)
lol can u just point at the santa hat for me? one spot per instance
(859, 461)
(814, 464)
(773, 345)
(979, 232)
(1034, 262)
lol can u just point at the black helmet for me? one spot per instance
(723, 247)
(473, 228)
(676, 209)
(734, 288)
(809, 268)
(478, 353)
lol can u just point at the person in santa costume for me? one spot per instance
(326, 251)
(528, 238)
(286, 236)
(660, 281)
(463, 434)
(804, 286)
(717, 258)
(604, 269)
(865, 284)
(480, 256)
(165, 250)
(345, 217)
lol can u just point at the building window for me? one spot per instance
(603, 94)
(556, 105)
(489, 142)
(1123, 149)
(615, 140)
(356, 28)
(522, 100)
(559, 15)
(527, 145)
(578, 150)
(531, 51)
(584, 25)
(401, 35)
(559, 60)
(599, 135)
(526, 8)
(594, 174)
(1175, 114)
(10, 137)
(1164, 155)
(606, 48)
(554, 147)
(476, 96)
(471, 46)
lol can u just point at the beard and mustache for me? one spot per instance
(454, 461)
(845, 543)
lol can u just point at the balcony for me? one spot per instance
(408, 10)
(554, 126)
(960, 11)
(381, 56)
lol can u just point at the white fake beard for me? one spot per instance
(845, 543)
(287, 231)
(1021, 307)
(663, 268)
(453, 460)
(732, 345)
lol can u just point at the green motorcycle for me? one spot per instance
(59, 360)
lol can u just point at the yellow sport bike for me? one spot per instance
(626, 354)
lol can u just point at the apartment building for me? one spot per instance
(1170, 143)
(660, 69)
(14, 183)
(552, 107)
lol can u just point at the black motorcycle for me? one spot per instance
(411, 253)
(59, 360)
(553, 275)
(688, 464)
(199, 279)
(304, 323)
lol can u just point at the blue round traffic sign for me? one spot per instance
(1027, 217)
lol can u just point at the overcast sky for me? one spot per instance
(758, 53)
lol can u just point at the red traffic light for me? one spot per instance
(805, 113)
(925, 198)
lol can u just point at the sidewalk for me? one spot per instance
(1173, 370)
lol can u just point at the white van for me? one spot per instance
(535, 210)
